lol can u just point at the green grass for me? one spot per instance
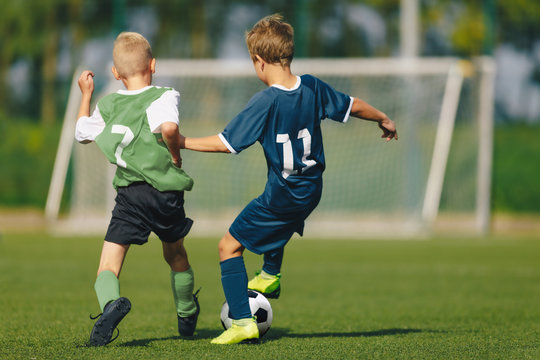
(431, 299)
(515, 186)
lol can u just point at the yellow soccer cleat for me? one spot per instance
(248, 333)
(266, 284)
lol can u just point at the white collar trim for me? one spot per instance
(133, 92)
(296, 86)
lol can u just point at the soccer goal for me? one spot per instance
(439, 168)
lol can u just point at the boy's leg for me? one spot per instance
(107, 287)
(267, 281)
(234, 281)
(272, 261)
(182, 283)
(234, 277)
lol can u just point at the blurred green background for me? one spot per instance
(43, 41)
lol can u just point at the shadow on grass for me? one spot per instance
(200, 335)
(278, 333)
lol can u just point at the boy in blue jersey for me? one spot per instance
(286, 119)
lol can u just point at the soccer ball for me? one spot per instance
(260, 308)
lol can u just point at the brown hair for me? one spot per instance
(131, 54)
(272, 39)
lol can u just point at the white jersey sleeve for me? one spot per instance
(89, 127)
(164, 109)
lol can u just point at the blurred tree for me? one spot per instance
(470, 30)
(33, 33)
(52, 16)
(468, 21)
(184, 28)
(519, 22)
(16, 37)
(32, 30)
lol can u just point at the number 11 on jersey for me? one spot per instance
(288, 155)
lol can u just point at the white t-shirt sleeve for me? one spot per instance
(164, 109)
(89, 127)
(346, 118)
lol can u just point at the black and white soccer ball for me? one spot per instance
(260, 308)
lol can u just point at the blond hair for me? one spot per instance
(131, 54)
(272, 39)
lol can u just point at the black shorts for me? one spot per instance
(140, 209)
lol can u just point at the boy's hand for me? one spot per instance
(177, 162)
(86, 82)
(389, 129)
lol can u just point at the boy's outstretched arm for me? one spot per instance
(172, 138)
(205, 144)
(86, 84)
(363, 110)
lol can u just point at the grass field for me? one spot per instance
(444, 298)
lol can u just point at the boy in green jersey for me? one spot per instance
(137, 130)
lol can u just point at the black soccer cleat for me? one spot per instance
(187, 325)
(112, 314)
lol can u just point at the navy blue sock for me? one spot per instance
(272, 261)
(234, 281)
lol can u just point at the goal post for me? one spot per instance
(443, 138)
(63, 154)
(371, 188)
(486, 66)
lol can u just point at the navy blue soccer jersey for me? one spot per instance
(287, 123)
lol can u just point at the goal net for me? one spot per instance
(371, 188)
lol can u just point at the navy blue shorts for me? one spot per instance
(260, 229)
(141, 209)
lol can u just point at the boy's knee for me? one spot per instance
(229, 247)
(178, 263)
(175, 255)
(222, 248)
(224, 244)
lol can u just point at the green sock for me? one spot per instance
(182, 288)
(107, 288)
